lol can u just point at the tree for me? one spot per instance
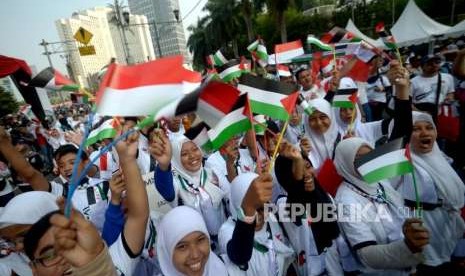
(8, 103)
(277, 9)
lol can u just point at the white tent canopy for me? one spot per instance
(456, 31)
(354, 30)
(415, 27)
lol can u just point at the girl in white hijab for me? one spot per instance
(271, 253)
(376, 235)
(441, 191)
(323, 132)
(183, 245)
(194, 185)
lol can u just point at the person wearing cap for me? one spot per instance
(426, 93)
(16, 218)
(378, 88)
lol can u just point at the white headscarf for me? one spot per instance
(175, 225)
(239, 187)
(344, 162)
(176, 145)
(343, 126)
(449, 186)
(346, 151)
(322, 145)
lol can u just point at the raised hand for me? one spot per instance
(4, 137)
(160, 149)
(289, 151)
(305, 145)
(259, 193)
(127, 149)
(117, 186)
(74, 137)
(400, 78)
(416, 235)
(76, 239)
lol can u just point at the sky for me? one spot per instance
(24, 23)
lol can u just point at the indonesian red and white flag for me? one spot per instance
(286, 51)
(143, 89)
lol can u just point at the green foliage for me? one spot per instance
(225, 26)
(8, 103)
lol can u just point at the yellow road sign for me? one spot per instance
(87, 50)
(82, 35)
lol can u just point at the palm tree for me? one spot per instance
(277, 8)
(198, 43)
(224, 22)
(247, 13)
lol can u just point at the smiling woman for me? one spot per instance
(184, 248)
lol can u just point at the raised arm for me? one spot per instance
(17, 161)
(136, 196)
(160, 149)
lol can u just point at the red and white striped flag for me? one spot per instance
(144, 89)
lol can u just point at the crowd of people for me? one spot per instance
(157, 204)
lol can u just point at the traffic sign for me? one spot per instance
(82, 35)
(87, 50)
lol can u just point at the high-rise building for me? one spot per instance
(168, 35)
(125, 42)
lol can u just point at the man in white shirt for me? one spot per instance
(308, 89)
(424, 88)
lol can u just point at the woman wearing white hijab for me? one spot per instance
(251, 243)
(385, 243)
(441, 193)
(323, 132)
(370, 131)
(193, 184)
(183, 245)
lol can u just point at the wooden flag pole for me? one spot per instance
(418, 212)
(280, 138)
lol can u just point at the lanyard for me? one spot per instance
(268, 248)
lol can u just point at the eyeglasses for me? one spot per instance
(48, 259)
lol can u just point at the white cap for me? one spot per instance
(27, 208)
(347, 83)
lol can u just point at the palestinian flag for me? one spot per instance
(199, 135)
(259, 52)
(318, 43)
(304, 105)
(235, 122)
(50, 78)
(187, 104)
(245, 65)
(268, 97)
(218, 59)
(231, 70)
(384, 162)
(106, 130)
(283, 70)
(388, 40)
(146, 88)
(286, 51)
(345, 98)
(216, 101)
(339, 35)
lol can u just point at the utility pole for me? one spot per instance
(47, 53)
(452, 12)
(393, 12)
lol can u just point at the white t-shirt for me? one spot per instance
(125, 262)
(86, 198)
(106, 170)
(378, 96)
(423, 90)
(313, 93)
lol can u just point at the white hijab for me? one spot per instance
(239, 187)
(175, 225)
(448, 184)
(346, 151)
(344, 158)
(343, 126)
(176, 145)
(322, 145)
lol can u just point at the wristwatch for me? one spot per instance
(247, 219)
